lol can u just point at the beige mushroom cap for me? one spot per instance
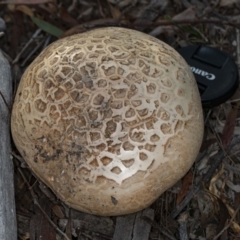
(108, 119)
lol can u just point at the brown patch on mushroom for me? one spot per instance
(106, 160)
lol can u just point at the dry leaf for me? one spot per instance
(58, 211)
(188, 14)
(26, 1)
(205, 206)
(206, 144)
(67, 18)
(187, 181)
(212, 186)
(116, 13)
(210, 230)
(219, 129)
(236, 227)
(25, 9)
(47, 27)
(122, 3)
(235, 188)
(224, 236)
(228, 129)
(228, 3)
(224, 215)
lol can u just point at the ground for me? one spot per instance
(211, 189)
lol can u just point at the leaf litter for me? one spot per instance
(205, 203)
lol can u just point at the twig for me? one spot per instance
(5, 101)
(40, 208)
(206, 178)
(228, 225)
(73, 6)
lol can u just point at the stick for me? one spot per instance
(8, 225)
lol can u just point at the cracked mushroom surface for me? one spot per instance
(108, 119)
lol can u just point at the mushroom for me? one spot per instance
(108, 119)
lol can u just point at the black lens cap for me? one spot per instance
(216, 73)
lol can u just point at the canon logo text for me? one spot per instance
(209, 76)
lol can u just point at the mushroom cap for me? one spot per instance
(108, 119)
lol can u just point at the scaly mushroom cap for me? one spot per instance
(108, 119)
